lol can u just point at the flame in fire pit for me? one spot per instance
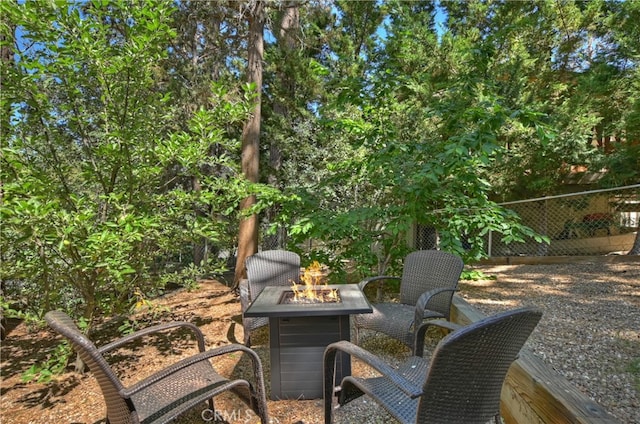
(314, 287)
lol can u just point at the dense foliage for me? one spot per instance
(99, 204)
(439, 110)
(122, 127)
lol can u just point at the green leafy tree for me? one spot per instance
(618, 73)
(423, 128)
(98, 201)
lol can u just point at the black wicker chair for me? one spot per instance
(164, 395)
(266, 268)
(460, 384)
(429, 280)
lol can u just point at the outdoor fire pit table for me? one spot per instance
(300, 331)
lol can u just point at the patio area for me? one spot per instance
(589, 334)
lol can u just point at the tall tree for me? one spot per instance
(248, 230)
(283, 60)
(6, 58)
(423, 127)
(207, 37)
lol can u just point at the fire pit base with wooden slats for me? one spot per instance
(299, 332)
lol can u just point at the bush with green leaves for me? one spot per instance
(102, 185)
(412, 163)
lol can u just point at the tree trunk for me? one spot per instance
(248, 231)
(6, 56)
(635, 250)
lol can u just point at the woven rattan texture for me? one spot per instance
(266, 268)
(164, 395)
(460, 383)
(429, 280)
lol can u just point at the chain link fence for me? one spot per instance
(588, 223)
(596, 222)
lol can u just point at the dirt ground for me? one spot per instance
(75, 398)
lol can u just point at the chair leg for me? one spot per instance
(329, 386)
(328, 408)
(212, 408)
(260, 409)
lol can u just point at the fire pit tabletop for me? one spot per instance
(299, 333)
(267, 304)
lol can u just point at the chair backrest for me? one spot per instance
(118, 412)
(425, 270)
(272, 268)
(469, 366)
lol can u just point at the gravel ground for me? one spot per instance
(590, 330)
(590, 333)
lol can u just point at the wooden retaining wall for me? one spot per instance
(534, 393)
(546, 260)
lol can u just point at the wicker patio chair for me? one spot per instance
(429, 280)
(266, 268)
(460, 384)
(162, 396)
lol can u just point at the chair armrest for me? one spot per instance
(363, 283)
(202, 356)
(371, 360)
(155, 329)
(422, 304)
(245, 294)
(421, 331)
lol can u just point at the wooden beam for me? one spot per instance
(534, 393)
(546, 260)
